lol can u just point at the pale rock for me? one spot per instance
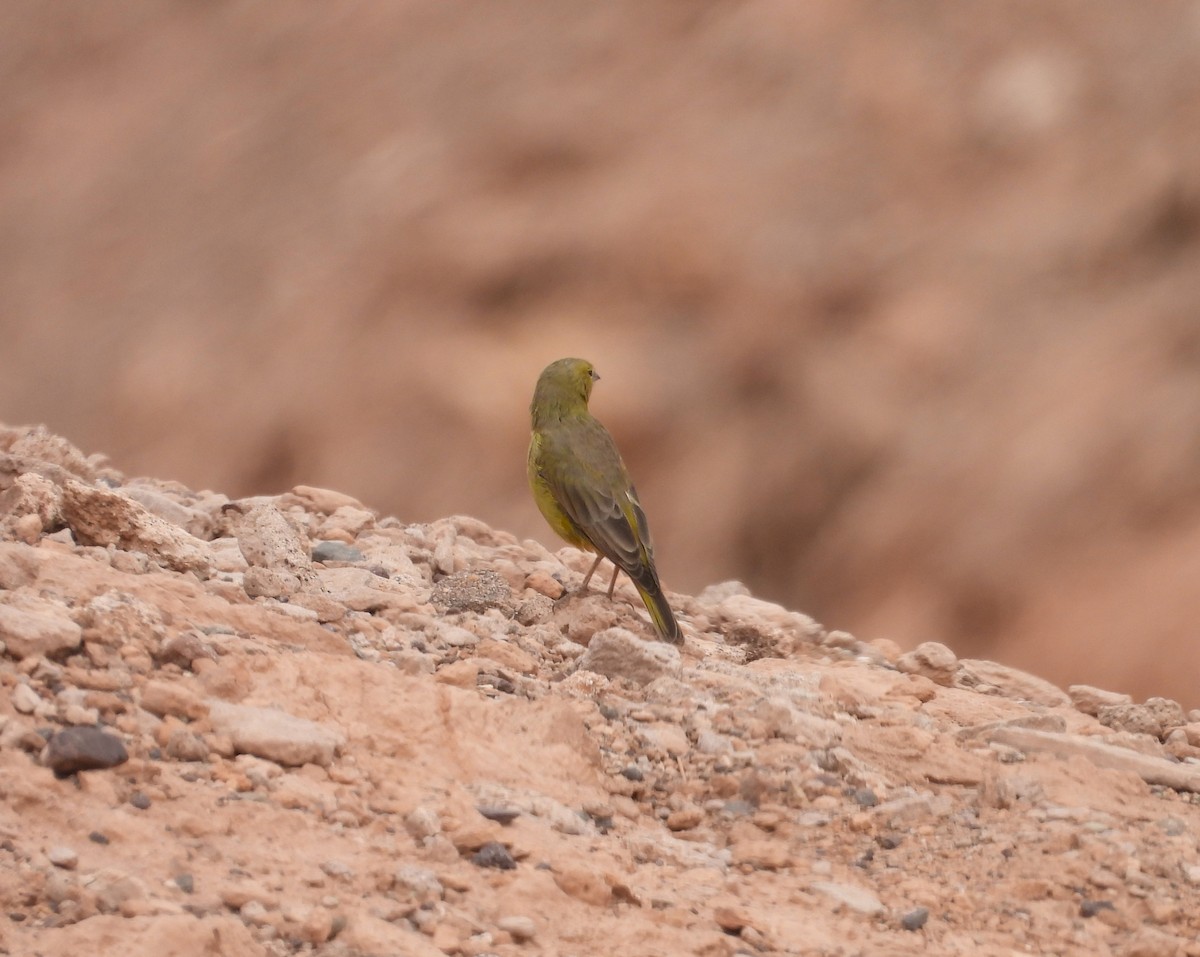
(18, 565)
(856, 898)
(361, 590)
(114, 889)
(227, 555)
(189, 519)
(117, 618)
(618, 653)
(664, 737)
(351, 519)
(276, 735)
(323, 500)
(64, 857)
(932, 660)
(1010, 682)
(269, 538)
(583, 882)
(1090, 700)
(418, 884)
(1152, 770)
(168, 697)
(38, 629)
(24, 699)
(100, 516)
(768, 628)
(259, 582)
(520, 928)
(423, 822)
(28, 507)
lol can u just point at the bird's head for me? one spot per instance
(563, 387)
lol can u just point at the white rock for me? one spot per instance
(618, 653)
(856, 898)
(275, 735)
(931, 660)
(25, 699)
(64, 857)
(39, 628)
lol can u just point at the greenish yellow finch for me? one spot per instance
(582, 487)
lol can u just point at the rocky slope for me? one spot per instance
(290, 725)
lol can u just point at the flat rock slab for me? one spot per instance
(276, 735)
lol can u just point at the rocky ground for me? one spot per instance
(290, 725)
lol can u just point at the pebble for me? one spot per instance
(83, 749)
(619, 653)
(475, 591)
(932, 660)
(915, 919)
(24, 699)
(521, 929)
(494, 854)
(64, 857)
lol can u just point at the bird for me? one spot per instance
(583, 490)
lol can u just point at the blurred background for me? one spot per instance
(896, 305)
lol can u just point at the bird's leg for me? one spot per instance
(613, 581)
(588, 577)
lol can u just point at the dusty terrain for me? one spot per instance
(307, 728)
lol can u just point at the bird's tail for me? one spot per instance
(660, 612)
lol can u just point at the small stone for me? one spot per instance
(64, 857)
(184, 745)
(97, 837)
(83, 749)
(931, 660)
(1090, 700)
(185, 882)
(336, 552)
(865, 797)
(494, 854)
(475, 591)
(38, 629)
(1090, 908)
(168, 697)
(502, 815)
(685, 819)
(915, 919)
(421, 885)
(25, 699)
(534, 610)
(521, 929)
(254, 913)
(619, 653)
(545, 584)
(185, 648)
(139, 800)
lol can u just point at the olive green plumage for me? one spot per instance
(582, 488)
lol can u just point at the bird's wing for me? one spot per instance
(595, 492)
